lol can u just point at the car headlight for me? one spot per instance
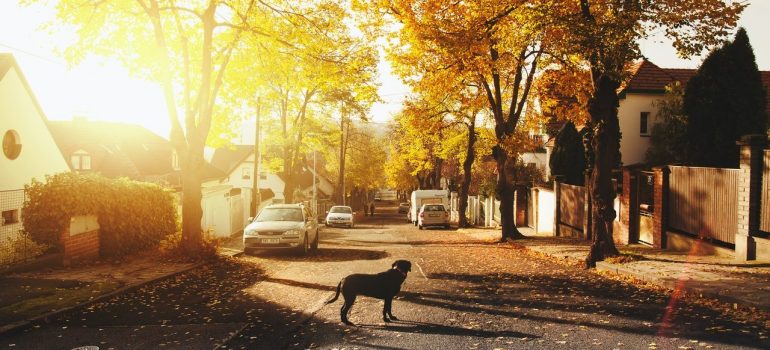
(250, 232)
(292, 233)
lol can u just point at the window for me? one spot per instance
(81, 160)
(246, 173)
(10, 217)
(11, 144)
(644, 119)
(175, 160)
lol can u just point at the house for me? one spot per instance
(637, 111)
(29, 150)
(237, 162)
(115, 149)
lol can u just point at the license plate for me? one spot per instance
(270, 240)
(434, 215)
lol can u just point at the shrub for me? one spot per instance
(132, 215)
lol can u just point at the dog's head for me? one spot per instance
(403, 266)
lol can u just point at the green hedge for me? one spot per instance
(132, 215)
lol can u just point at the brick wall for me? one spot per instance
(660, 198)
(80, 245)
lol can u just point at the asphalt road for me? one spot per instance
(465, 291)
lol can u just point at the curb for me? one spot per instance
(17, 326)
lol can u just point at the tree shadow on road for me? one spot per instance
(326, 255)
(440, 329)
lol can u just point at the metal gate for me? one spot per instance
(646, 198)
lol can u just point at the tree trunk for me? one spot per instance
(467, 165)
(603, 108)
(504, 191)
(192, 213)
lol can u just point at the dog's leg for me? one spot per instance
(349, 300)
(387, 315)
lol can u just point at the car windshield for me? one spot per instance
(434, 208)
(345, 210)
(280, 214)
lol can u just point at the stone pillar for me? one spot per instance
(749, 195)
(660, 206)
(557, 180)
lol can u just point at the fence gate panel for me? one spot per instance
(703, 202)
(765, 212)
(571, 205)
(645, 196)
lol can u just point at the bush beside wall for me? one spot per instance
(132, 215)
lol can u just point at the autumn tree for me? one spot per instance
(498, 43)
(605, 36)
(186, 48)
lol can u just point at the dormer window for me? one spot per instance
(246, 173)
(81, 160)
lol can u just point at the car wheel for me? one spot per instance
(315, 242)
(446, 226)
(419, 227)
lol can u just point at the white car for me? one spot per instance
(340, 215)
(282, 226)
(433, 215)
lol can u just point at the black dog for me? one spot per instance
(384, 285)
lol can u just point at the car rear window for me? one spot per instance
(345, 210)
(434, 208)
(280, 214)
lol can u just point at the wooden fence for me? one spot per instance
(571, 205)
(703, 202)
(765, 212)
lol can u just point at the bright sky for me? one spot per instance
(101, 92)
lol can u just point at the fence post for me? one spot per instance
(660, 208)
(557, 180)
(587, 223)
(749, 195)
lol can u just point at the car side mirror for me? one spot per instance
(251, 218)
(327, 212)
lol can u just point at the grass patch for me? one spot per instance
(625, 258)
(44, 301)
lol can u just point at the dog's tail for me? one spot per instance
(339, 285)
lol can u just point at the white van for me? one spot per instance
(420, 197)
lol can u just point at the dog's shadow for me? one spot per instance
(440, 329)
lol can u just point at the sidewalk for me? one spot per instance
(721, 278)
(34, 296)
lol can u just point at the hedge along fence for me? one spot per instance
(132, 215)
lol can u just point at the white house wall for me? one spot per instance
(633, 146)
(272, 181)
(39, 155)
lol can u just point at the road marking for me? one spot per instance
(421, 272)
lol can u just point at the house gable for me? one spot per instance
(24, 125)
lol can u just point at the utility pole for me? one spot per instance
(256, 197)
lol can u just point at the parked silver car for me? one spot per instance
(282, 226)
(433, 215)
(340, 215)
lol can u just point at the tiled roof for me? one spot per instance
(646, 77)
(116, 149)
(6, 62)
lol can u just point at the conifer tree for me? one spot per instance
(724, 101)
